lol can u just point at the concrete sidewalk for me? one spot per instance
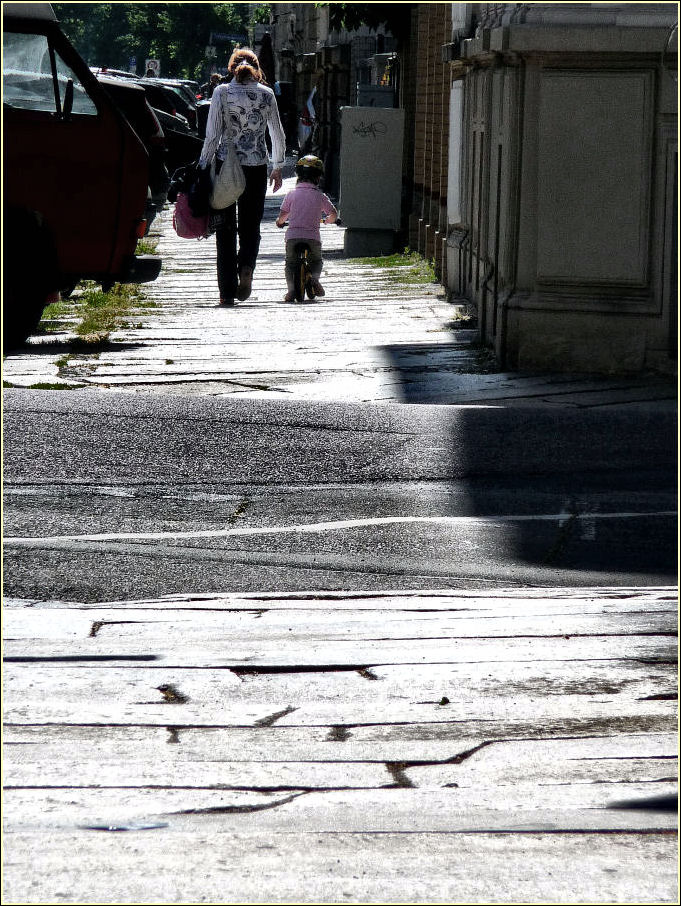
(500, 746)
(372, 338)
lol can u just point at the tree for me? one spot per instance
(110, 34)
(96, 30)
(262, 14)
(396, 17)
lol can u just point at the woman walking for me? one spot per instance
(240, 111)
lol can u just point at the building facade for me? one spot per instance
(325, 69)
(562, 193)
(539, 165)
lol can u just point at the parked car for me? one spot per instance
(76, 174)
(116, 73)
(169, 99)
(202, 110)
(185, 91)
(132, 101)
(193, 86)
(183, 145)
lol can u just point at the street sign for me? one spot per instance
(153, 66)
(221, 37)
(132, 64)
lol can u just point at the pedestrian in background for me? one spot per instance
(210, 86)
(241, 112)
(304, 208)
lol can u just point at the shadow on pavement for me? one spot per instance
(649, 804)
(593, 489)
(580, 490)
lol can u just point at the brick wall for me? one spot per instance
(428, 213)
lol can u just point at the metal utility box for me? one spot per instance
(371, 178)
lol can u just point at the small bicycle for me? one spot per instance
(303, 281)
(302, 274)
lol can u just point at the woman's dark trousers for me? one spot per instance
(243, 219)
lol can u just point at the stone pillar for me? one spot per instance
(570, 184)
(420, 120)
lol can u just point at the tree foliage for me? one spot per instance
(262, 14)
(396, 17)
(110, 34)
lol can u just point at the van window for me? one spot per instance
(27, 78)
(81, 102)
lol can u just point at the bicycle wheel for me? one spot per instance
(300, 274)
(309, 287)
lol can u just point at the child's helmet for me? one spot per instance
(309, 165)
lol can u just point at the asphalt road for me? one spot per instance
(116, 496)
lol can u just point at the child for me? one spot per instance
(304, 207)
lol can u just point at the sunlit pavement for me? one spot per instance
(497, 747)
(371, 338)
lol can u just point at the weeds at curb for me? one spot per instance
(404, 267)
(42, 385)
(96, 313)
(146, 246)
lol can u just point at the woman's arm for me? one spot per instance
(214, 127)
(278, 137)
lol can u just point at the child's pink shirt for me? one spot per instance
(305, 206)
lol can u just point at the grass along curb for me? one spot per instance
(403, 267)
(93, 314)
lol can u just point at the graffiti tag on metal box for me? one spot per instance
(370, 129)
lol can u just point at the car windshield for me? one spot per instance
(179, 94)
(187, 94)
(27, 80)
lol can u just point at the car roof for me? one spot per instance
(42, 11)
(128, 84)
(114, 73)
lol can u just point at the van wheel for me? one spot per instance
(21, 314)
(31, 274)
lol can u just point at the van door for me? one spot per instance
(69, 155)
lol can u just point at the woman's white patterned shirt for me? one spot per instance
(241, 112)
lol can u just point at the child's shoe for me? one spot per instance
(290, 297)
(317, 287)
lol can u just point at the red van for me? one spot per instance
(75, 174)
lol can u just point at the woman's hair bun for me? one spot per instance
(244, 65)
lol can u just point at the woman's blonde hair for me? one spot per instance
(244, 65)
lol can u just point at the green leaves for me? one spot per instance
(396, 17)
(109, 34)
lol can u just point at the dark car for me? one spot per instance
(202, 111)
(169, 99)
(116, 73)
(132, 101)
(76, 174)
(183, 88)
(183, 145)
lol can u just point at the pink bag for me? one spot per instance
(186, 225)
